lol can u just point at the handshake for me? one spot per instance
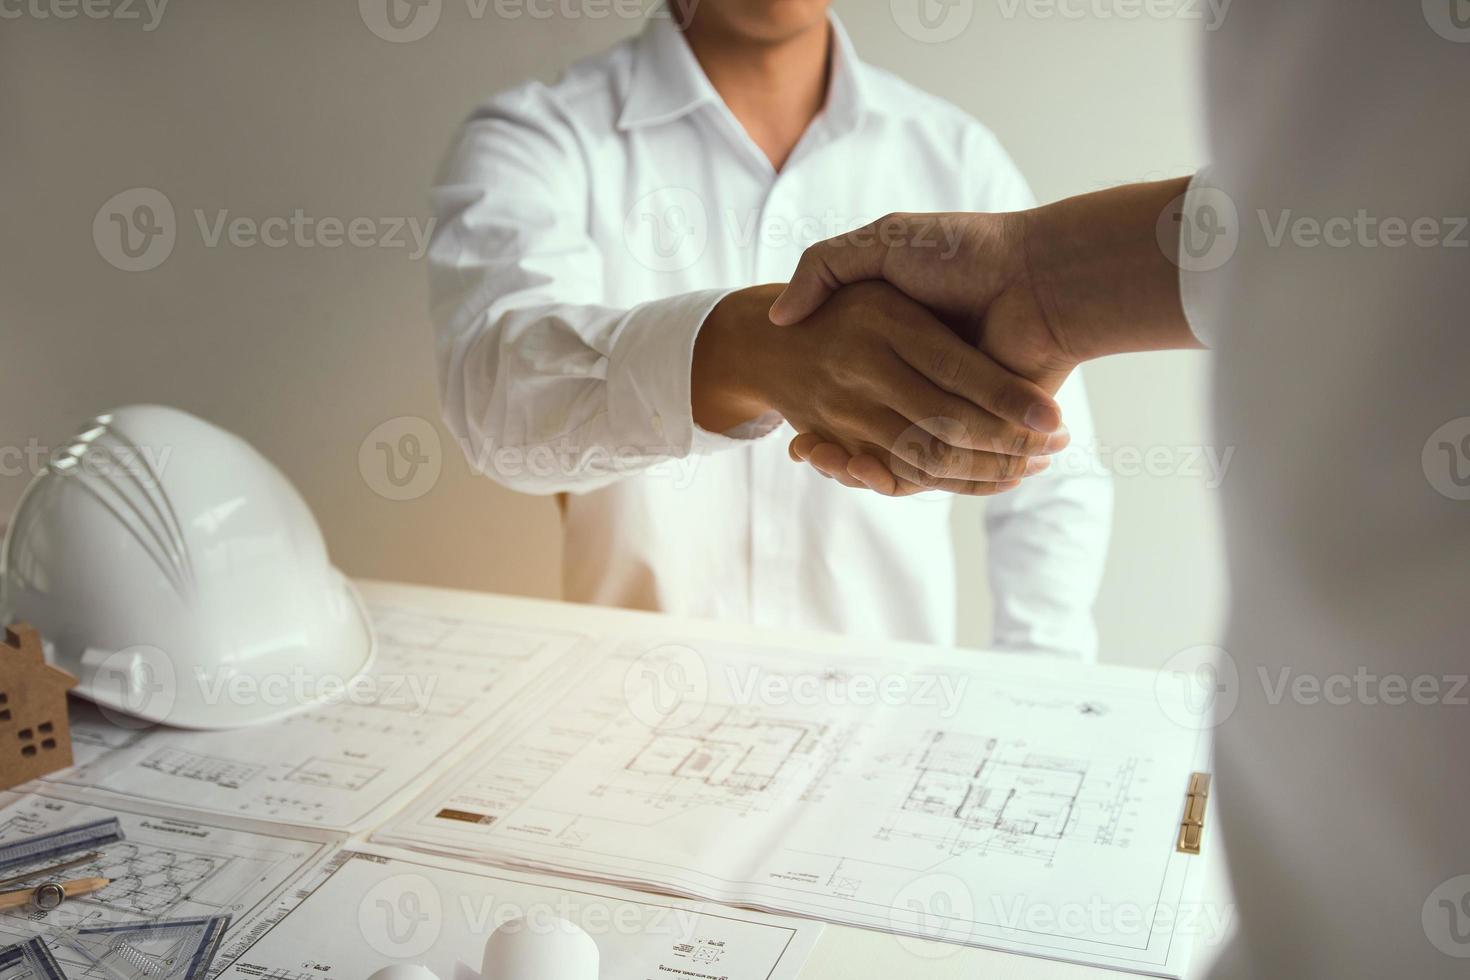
(906, 367)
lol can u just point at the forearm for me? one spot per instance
(559, 397)
(724, 382)
(1104, 273)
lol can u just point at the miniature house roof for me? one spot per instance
(23, 645)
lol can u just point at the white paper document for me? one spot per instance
(1002, 801)
(370, 906)
(170, 865)
(434, 688)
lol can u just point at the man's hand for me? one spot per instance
(1039, 291)
(879, 376)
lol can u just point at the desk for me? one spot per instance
(843, 953)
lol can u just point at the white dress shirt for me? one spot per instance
(1335, 287)
(586, 228)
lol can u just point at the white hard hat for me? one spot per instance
(180, 576)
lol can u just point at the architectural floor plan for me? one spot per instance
(434, 686)
(976, 798)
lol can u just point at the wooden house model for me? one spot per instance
(35, 737)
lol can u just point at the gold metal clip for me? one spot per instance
(1192, 827)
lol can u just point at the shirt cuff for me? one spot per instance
(1209, 234)
(648, 380)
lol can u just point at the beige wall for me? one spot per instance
(264, 107)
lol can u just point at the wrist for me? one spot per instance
(727, 379)
(1104, 280)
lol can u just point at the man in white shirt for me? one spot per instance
(1325, 256)
(599, 337)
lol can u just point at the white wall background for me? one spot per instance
(262, 108)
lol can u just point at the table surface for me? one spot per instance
(843, 952)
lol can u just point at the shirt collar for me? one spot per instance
(667, 81)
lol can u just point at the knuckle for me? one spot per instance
(917, 476)
(938, 458)
(945, 367)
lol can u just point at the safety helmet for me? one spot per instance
(180, 576)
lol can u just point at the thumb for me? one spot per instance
(824, 267)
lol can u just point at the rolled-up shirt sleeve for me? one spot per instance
(1206, 207)
(547, 386)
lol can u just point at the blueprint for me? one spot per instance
(993, 800)
(390, 906)
(432, 693)
(170, 865)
